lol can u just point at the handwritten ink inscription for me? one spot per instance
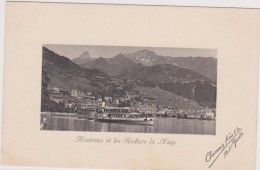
(226, 147)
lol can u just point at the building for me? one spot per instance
(147, 109)
(56, 100)
(77, 93)
(99, 98)
(55, 90)
(69, 105)
(89, 97)
(163, 111)
(108, 99)
(124, 103)
(74, 93)
(89, 93)
(116, 101)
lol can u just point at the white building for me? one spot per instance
(74, 93)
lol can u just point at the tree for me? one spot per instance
(44, 92)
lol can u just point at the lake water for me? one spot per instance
(168, 126)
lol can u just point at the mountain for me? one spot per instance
(145, 57)
(83, 58)
(120, 59)
(146, 81)
(206, 66)
(161, 74)
(112, 66)
(180, 81)
(101, 64)
(62, 72)
(158, 96)
(202, 92)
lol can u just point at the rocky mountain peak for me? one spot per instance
(146, 52)
(83, 58)
(85, 55)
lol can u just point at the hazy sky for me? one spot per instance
(73, 51)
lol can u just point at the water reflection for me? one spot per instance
(172, 126)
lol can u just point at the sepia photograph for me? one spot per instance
(128, 89)
(165, 84)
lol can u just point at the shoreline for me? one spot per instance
(66, 115)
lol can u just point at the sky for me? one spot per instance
(73, 51)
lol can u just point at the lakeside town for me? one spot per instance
(75, 101)
(135, 89)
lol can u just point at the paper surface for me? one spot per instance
(233, 32)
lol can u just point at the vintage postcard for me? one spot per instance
(130, 87)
